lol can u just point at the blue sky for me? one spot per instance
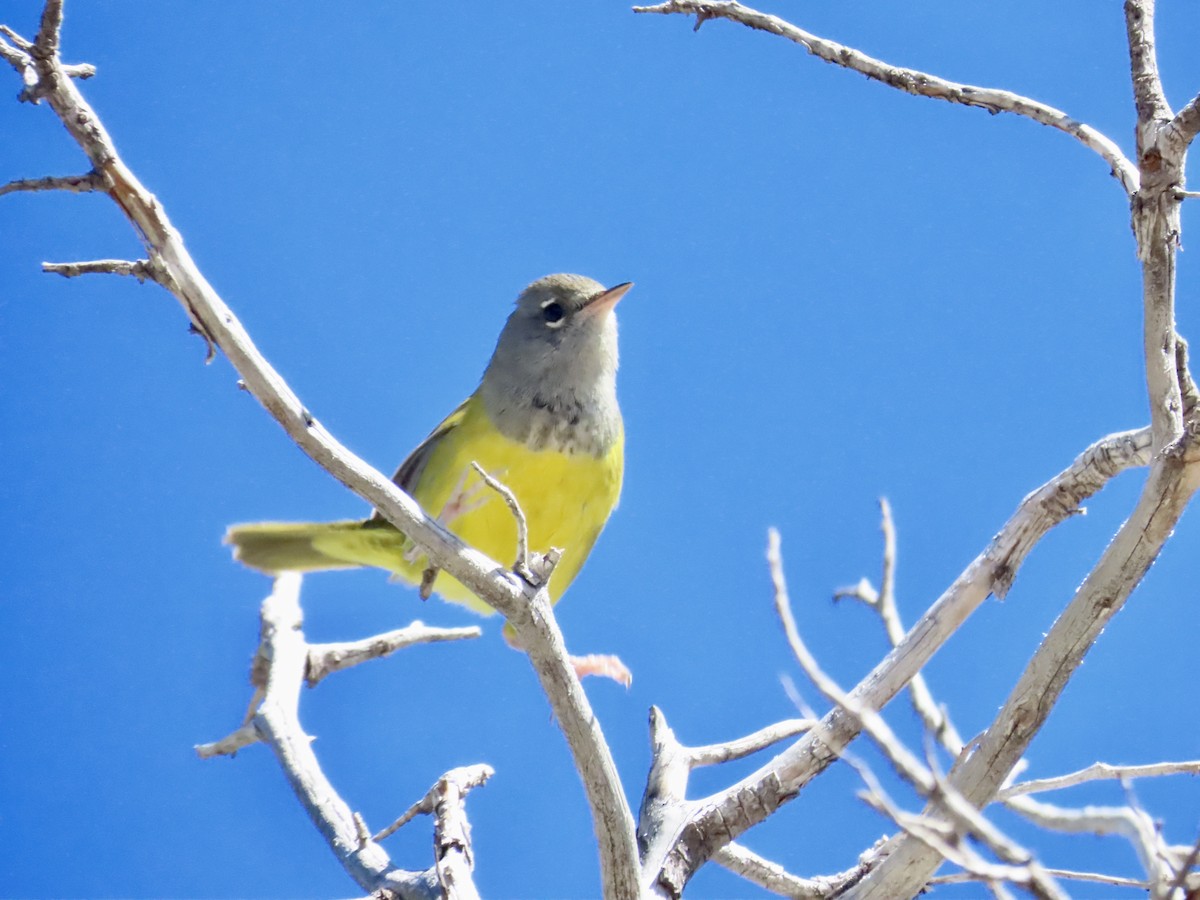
(842, 292)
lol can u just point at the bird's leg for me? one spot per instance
(428, 577)
(601, 665)
(462, 500)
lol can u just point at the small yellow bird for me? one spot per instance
(544, 421)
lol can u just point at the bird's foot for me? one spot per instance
(603, 666)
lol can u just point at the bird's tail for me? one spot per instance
(274, 547)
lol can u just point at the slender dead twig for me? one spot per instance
(883, 603)
(276, 723)
(526, 609)
(673, 854)
(461, 780)
(79, 184)
(911, 81)
(325, 659)
(521, 566)
(771, 876)
(1097, 772)
(739, 748)
(142, 269)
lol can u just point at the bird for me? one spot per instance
(544, 422)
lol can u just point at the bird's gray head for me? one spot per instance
(552, 380)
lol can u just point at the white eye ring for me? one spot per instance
(553, 314)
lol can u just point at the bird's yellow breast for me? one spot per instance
(566, 499)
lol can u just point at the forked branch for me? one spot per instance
(528, 610)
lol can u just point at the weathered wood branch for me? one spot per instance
(528, 610)
(911, 81)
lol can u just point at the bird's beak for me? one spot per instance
(606, 300)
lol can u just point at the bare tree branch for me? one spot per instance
(1062, 874)
(1162, 863)
(452, 832)
(911, 81)
(79, 184)
(143, 269)
(521, 566)
(1156, 224)
(929, 783)
(277, 724)
(45, 45)
(19, 41)
(82, 71)
(528, 611)
(325, 659)
(1099, 771)
(883, 602)
(1187, 121)
(767, 875)
(722, 817)
(1121, 567)
(454, 784)
(739, 748)
(229, 745)
(772, 877)
(1148, 91)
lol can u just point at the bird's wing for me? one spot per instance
(410, 470)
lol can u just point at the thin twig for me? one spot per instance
(143, 270)
(81, 71)
(714, 754)
(463, 779)
(771, 876)
(1097, 772)
(528, 612)
(521, 566)
(724, 816)
(325, 659)
(883, 602)
(912, 81)
(1123, 821)
(19, 41)
(229, 745)
(928, 782)
(768, 875)
(1187, 121)
(1063, 874)
(277, 724)
(79, 184)
(18, 59)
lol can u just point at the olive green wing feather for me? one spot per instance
(409, 474)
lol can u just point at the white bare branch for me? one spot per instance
(772, 877)
(883, 602)
(1097, 772)
(142, 269)
(722, 817)
(277, 724)
(739, 748)
(527, 610)
(910, 81)
(78, 184)
(325, 659)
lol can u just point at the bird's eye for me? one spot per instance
(553, 314)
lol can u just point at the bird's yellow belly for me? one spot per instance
(566, 499)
